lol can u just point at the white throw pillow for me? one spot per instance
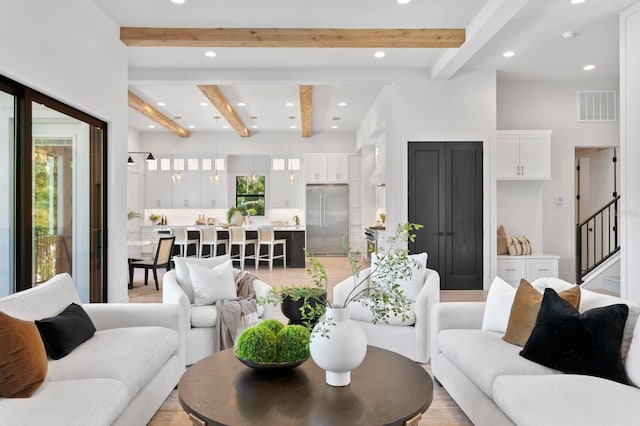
(182, 270)
(411, 286)
(211, 285)
(632, 363)
(498, 307)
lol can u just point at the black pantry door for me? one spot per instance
(445, 195)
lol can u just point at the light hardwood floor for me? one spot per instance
(443, 410)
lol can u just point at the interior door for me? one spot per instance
(445, 195)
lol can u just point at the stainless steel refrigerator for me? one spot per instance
(327, 219)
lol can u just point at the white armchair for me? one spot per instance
(410, 338)
(200, 321)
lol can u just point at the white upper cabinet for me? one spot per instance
(283, 192)
(158, 189)
(523, 155)
(326, 168)
(213, 195)
(186, 191)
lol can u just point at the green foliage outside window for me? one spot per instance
(250, 194)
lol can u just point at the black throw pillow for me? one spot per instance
(63, 333)
(575, 343)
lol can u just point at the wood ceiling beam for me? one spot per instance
(215, 96)
(150, 112)
(306, 108)
(294, 37)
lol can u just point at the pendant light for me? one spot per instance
(215, 177)
(292, 176)
(253, 178)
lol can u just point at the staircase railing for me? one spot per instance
(597, 239)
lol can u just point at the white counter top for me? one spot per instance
(248, 227)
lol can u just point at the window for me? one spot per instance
(250, 194)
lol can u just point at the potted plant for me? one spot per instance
(133, 215)
(235, 215)
(154, 218)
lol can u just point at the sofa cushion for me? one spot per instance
(204, 316)
(183, 276)
(632, 363)
(577, 343)
(133, 355)
(69, 403)
(482, 356)
(358, 311)
(23, 360)
(525, 308)
(498, 306)
(412, 285)
(211, 285)
(64, 332)
(566, 399)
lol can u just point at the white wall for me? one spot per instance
(460, 109)
(552, 106)
(630, 152)
(79, 61)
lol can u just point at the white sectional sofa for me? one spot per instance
(495, 386)
(120, 376)
(200, 321)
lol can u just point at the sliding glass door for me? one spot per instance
(58, 197)
(7, 187)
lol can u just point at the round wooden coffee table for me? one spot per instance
(386, 389)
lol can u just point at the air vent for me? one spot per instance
(596, 105)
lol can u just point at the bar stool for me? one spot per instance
(182, 240)
(238, 238)
(209, 237)
(266, 237)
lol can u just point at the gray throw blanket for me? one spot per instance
(234, 316)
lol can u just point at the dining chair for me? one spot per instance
(209, 237)
(267, 238)
(182, 240)
(161, 259)
(238, 237)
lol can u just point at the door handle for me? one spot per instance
(449, 234)
(440, 234)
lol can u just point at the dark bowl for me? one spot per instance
(271, 365)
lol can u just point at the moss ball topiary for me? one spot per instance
(293, 343)
(273, 325)
(257, 344)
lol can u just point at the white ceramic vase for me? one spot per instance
(342, 351)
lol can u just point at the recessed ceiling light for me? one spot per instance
(178, 1)
(161, 104)
(569, 34)
(192, 126)
(151, 126)
(589, 67)
(403, 1)
(203, 104)
(294, 126)
(225, 126)
(379, 54)
(508, 53)
(254, 126)
(241, 104)
(210, 54)
(289, 104)
(334, 127)
(577, 1)
(342, 104)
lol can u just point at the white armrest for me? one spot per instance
(119, 315)
(429, 295)
(261, 288)
(173, 294)
(454, 315)
(342, 289)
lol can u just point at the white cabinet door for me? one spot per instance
(507, 159)
(282, 193)
(512, 270)
(337, 168)
(158, 190)
(541, 268)
(213, 195)
(186, 192)
(355, 194)
(535, 157)
(355, 168)
(315, 167)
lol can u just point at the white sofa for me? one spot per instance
(200, 321)
(495, 386)
(413, 340)
(120, 376)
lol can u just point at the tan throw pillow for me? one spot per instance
(23, 360)
(502, 241)
(511, 247)
(524, 311)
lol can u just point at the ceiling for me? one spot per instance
(267, 78)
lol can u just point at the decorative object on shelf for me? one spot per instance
(235, 215)
(272, 346)
(296, 220)
(383, 218)
(154, 218)
(133, 215)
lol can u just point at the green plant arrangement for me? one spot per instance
(133, 215)
(259, 347)
(154, 218)
(234, 209)
(272, 324)
(378, 289)
(257, 344)
(293, 343)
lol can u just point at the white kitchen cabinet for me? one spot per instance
(283, 193)
(326, 168)
(381, 192)
(523, 155)
(158, 190)
(213, 195)
(355, 168)
(513, 268)
(186, 192)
